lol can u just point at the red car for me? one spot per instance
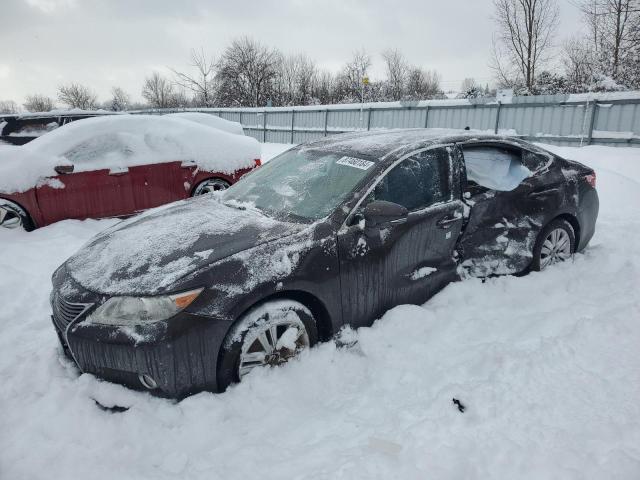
(117, 166)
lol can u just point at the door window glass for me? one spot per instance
(99, 150)
(494, 168)
(417, 182)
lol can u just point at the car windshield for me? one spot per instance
(300, 184)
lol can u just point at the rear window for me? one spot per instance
(33, 129)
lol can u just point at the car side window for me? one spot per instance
(98, 149)
(418, 181)
(495, 168)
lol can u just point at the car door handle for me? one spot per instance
(543, 191)
(446, 222)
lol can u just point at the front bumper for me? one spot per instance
(179, 354)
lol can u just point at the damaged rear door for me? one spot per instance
(503, 224)
(410, 259)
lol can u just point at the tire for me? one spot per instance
(556, 243)
(210, 185)
(244, 345)
(13, 216)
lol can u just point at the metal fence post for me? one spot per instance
(426, 116)
(592, 120)
(293, 112)
(369, 119)
(326, 118)
(495, 129)
(264, 127)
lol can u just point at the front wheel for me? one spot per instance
(211, 185)
(556, 243)
(13, 217)
(268, 335)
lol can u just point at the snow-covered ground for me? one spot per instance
(547, 365)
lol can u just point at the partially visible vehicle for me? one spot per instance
(210, 120)
(116, 166)
(18, 129)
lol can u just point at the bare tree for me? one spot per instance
(614, 31)
(324, 88)
(158, 91)
(469, 88)
(525, 30)
(579, 63)
(76, 95)
(284, 85)
(8, 106)
(349, 83)
(245, 73)
(422, 84)
(202, 82)
(468, 83)
(397, 70)
(180, 99)
(305, 79)
(120, 100)
(294, 81)
(38, 103)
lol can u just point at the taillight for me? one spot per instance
(258, 162)
(591, 179)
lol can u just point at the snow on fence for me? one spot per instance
(574, 120)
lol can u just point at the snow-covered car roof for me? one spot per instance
(210, 120)
(120, 141)
(379, 143)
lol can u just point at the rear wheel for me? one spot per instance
(268, 335)
(556, 243)
(211, 185)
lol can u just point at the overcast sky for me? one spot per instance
(102, 43)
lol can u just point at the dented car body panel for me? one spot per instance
(344, 270)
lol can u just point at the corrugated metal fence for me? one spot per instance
(583, 119)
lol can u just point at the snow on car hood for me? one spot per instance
(149, 253)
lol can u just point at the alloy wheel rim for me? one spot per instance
(556, 248)
(9, 219)
(273, 343)
(210, 186)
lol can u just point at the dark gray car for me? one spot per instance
(194, 295)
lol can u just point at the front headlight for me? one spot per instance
(140, 310)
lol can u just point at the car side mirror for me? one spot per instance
(63, 169)
(380, 211)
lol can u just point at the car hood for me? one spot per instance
(148, 254)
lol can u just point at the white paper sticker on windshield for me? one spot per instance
(355, 163)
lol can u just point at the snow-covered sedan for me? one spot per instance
(116, 166)
(196, 295)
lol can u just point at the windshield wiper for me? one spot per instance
(235, 205)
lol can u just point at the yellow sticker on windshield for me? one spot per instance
(355, 163)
